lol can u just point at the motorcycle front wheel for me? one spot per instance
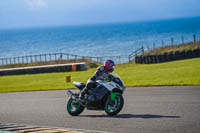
(74, 108)
(114, 107)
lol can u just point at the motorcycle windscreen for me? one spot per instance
(118, 80)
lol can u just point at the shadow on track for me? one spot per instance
(144, 116)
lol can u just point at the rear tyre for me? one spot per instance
(74, 108)
(114, 107)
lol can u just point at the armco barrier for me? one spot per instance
(167, 57)
(44, 69)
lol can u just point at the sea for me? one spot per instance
(111, 39)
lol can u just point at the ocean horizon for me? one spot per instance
(112, 39)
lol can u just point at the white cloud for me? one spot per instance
(36, 3)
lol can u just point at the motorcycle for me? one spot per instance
(107, 96)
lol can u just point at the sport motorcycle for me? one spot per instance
(107, 96)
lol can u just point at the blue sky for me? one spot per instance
(33, 13)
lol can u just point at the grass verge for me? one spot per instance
(172, 49)
(184, 72)
(91, 64)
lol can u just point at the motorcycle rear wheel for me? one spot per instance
(74, 108)
(114, 107)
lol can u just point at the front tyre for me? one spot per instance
(115, 106)
(74, 108)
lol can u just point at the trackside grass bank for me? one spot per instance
(173, 49)
(184, 72)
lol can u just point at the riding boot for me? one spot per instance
(82, 93)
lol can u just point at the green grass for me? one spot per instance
(46, 81)
(91, 64)
(185, 72)
(173, 49)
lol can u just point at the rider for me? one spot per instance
(101, 73)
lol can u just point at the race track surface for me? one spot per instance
(146, 110)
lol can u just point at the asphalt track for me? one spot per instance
(146, 110)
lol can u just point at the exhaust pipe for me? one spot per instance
(71, 94)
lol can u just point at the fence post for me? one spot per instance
(99, 59)
(18, 60)
(172, 40)
(194, 38)
(31, 59)
(26, 59)
(40, 58)
(75, 57)
(61, 55)
(55, 56)
(142, 49)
